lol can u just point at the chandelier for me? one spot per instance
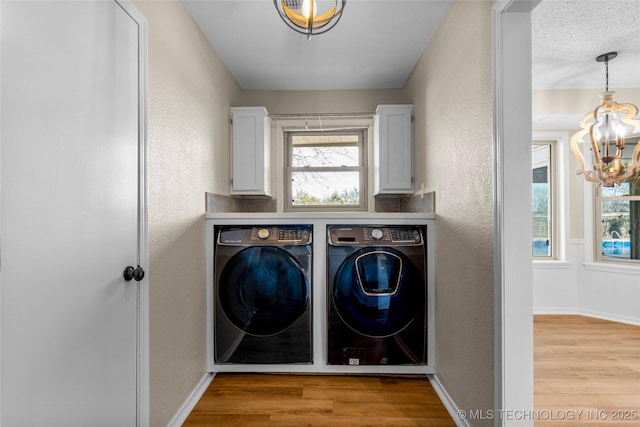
(310, 17)
(605, 130)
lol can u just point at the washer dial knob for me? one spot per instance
(377, 234)
(263, 233)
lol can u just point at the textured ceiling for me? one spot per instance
(569, 35)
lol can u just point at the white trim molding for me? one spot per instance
(587, 313)
(613, 267)
(187, 406)
(458, 415)
(513, 304)
(608, 316)
(143, 352)
(560, 191)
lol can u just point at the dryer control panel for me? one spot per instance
(267, 235)
(372, 235)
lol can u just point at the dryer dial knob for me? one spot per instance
(263, 233)
(377, 234)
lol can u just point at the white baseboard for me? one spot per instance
(448, 403)
(612, 317)
(181, 416)
(556, 310)
(589, 313)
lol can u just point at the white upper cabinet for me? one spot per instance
(393, 149)
(250, 151)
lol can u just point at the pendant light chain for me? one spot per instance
(606, 74)
(605, 58)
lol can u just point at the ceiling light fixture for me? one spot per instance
(310, 17)
(606, 129)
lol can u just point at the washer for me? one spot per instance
(377, 293)
(262, 291)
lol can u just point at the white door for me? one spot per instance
(70, 224)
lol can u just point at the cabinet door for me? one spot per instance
(250, 151)
(70, 194)
(393, 149)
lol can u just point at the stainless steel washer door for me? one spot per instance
(263, 290)
(378, 292)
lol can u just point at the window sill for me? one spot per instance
(551, 264)
(613, 267)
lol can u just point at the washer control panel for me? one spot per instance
(268, 235)
(401, 235)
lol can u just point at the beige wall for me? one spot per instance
(451, 88)
(327, 101)
(190, 91)
(576, 101)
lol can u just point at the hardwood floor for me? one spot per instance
(589, 365)
(586, 372)
(318, 400)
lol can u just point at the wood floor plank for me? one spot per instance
(226, 420)
(264, 405)
(250, 393)
(336, 394)
(339, 421)
(380, 409)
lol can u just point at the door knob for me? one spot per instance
(136, 273)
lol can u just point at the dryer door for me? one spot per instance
(378, 291)
(263, 290)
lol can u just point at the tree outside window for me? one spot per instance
(542, 201)
(326, 170)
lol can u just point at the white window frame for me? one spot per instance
(599, 257)
(559, 170)
(552, 178)
(597, 199)
(591, 242)
(311, 122)
(361, 168)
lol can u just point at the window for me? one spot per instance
(618, 218)
(543, 205)
(326, 170)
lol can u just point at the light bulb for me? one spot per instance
(309, 9)
(619, 130)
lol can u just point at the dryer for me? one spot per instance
(377, 295)
(262, 292)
